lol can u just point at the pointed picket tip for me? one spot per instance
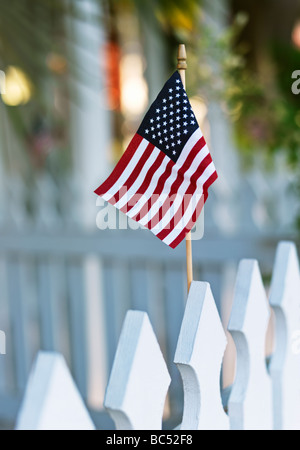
(285, 361)
(200, 349)
(249, 299)
(139, 379)
(250, 401)
(200, 303)
(52, 401)
(285, 274)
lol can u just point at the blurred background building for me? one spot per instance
(77, 77)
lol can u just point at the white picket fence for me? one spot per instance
(260, 398)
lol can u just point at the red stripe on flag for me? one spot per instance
(188, 196)
(179, 213)
(121, 166)
(157, 191)
(146, 183)
(190, 225)
(196, 214)
(177, 183)
(201, 168)
(134, 174)
(208, 183)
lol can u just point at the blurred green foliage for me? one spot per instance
(260, 104)
(258, 100)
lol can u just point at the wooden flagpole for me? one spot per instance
(182, 66)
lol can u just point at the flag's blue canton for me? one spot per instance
(170, 121)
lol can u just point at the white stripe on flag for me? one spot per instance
(169, 214)
(151, 188)
(194, 166)
(139, 181)
(174, 174)
(154, 208)
(128, 170)
(161, 199)
(180, 198)
(196, 136)
(185, 219)
(209, 171)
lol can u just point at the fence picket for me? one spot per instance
(139, 380)
(175, 297)
(52, 401)
(139, 287)
(285, 362)
(16, 296)
(46, 306)
(76, 288)
(250, 401)
(199, 354)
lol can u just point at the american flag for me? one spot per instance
(162, 179)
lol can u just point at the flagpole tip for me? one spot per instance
(181, 57)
